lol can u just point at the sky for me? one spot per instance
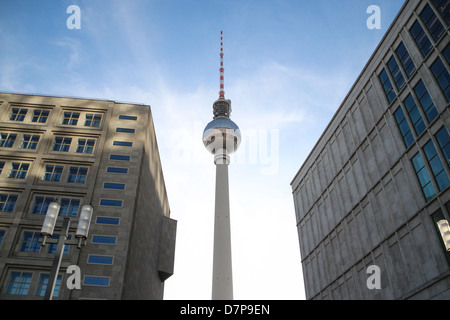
(288, 66)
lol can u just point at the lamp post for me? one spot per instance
(47, 231)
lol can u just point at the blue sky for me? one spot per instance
(288, 66)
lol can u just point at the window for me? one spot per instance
(18, 114)
(126, 130)
(108, 220)
(7, 139)
(96, 281)
(43, 282)
(117, 170)
(425, 101)
(123, 143)
(396, 73)
(2, 165)
(423, 177)
(18, 283)
(414, 114)
(62, 144)
(104, 239)
(7, 202)
(123, 117)
(436, 166)
(444, 142)
(406, 60)
(111, 203)
(71, 118)
(85, 146)
(29, 141)
(93, 120)
(442, 228)
(119, 157)
(404, 127)
(69, 207)
(432, 22)
(387, 86)
(100, 259)
(40, 205)
(446, 53)
(40, 116)
(421, 38)
(2, 235)
(442, 77)
(116, 186)
(77, 175)
(30, 242)
(51, 247)
(19, 170)
(443, 7)
(52, 173)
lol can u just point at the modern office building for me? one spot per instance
(375, 188)
(78, 152)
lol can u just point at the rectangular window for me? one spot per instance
(18, 170)
(421, 38)
(111, 203)
(2, 235)
(93, 120)
(436, 166)
(444, 142)
(443, 7)
(403, 125)
(40, 205)
(442, 228)
(446, 53)
(18, 114)
(43, 282)
(108, 220)
(85, 146)
(7, 202)
(123, 117)
(115, 186)
(406, 60)
(77, 175)
(126, 130)
(396, 73)
(104, 239)
(51, 247)
(30, 242)
(52, 173)
(117, 170)
(96, 281)
(387, 86)
(7, 139)
(69, 207)
(18, 283)
(100, 259)
(29, 141)
(70, 118)
(40, 116)
(442, 77)
(62, 144)
(425, 101)
(119, 157)
(432, 22)
(414, 114)
(123, 143)
(2, 165)
(423, 177)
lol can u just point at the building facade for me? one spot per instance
(78, 152)
(375, 188)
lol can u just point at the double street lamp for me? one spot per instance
(47, 231)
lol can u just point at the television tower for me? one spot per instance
(222, 137)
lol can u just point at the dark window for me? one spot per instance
(85, 146)
(96, 281)
(406, 60)
(404, 127)
(108, 220)
(30, 242)
(43, 282)
(40, 205)
(444, 142)
(52, 173)
(111, 203)
(18, 283)
(7, 139)
(122, 117)
(19, 170)
(62, 144)
(7, 202)
(104, 239)
(423, 177)
(116, 186)
(425, 101)
(436, 165)
(125, 130)
(432, 22)
(421, 38)
(2, 235)
(396, 73)
(414, 114)
(77, 175)
(18, 114)
(69, 207)
(119, 157)
(123, 143)
(93, 120)
(40, 116)
(446, 53)
(442, 76)
(117, 170)
(71, 118)
(387, 86)
(29, 141)
(100, 259)
(443, 7)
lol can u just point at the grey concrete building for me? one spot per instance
(82, 151)
(375, 188)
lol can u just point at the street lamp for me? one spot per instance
(47, 229)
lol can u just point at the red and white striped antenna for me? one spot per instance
(222, 87)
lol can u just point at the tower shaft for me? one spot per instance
(222, 288)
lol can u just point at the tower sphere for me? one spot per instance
(221, 135)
